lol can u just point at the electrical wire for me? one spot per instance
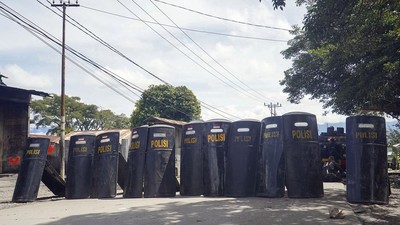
(221, 18)
(218, 63)
(109, 46)
(91, 34)
(185, 55)
(101, 41)
(176, 26)
(36, 31)
(188, 29)
(237, 88)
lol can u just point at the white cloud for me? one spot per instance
(19, 77)
(31, 64)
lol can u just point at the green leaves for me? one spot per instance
(79, 116)
(347, 56)
(178, 103)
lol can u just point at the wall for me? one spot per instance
(13, 134)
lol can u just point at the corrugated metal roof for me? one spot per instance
(165, 121)
(32, 92)
(123, 134)
(54, 139)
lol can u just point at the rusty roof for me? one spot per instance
(160, 120)
(123, 134)
(54, 139)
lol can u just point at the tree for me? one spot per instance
(79, 116)
(347, 55)
(393, 141)
(393, 137)
(106, 119)
(282, 3)
(178, 103)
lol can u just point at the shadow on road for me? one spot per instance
(198, 210)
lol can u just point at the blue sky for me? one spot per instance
(252, 66)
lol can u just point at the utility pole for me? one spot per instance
(272, 107)
(64, 6)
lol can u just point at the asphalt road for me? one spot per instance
(177, 210)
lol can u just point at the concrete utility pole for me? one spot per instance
(272, 107)
(64, 5)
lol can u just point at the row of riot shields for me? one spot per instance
(92, 169)
(218, 158)
(290, 157)
(251, 158)
(151, 163)
(93, 164)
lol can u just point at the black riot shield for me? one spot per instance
(79, 167)
(136, 162)
(192, 150)
(159, 176)
(105, 166)
(214, 157)
(303, 157)
(241, 158)
(366, 162)
(31, 170)
(271, 164)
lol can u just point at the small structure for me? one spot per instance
(14, 125)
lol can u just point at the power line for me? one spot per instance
(36, 31)
(81, 56)
(272, 107)
(113, 49)
(184, 54)
(222, 18)
(114, 76)
(101, 41)
(237, 88)
(91, 34)
(223, 67)
(176, 26)
(189, 29)
(33, 29)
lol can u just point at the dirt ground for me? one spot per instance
(381, 214)
(368, 214)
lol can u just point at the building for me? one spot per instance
(14, 125)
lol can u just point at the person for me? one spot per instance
(334, 149)
(332, 171)
(393, 163)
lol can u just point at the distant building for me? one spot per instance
(14, 125)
